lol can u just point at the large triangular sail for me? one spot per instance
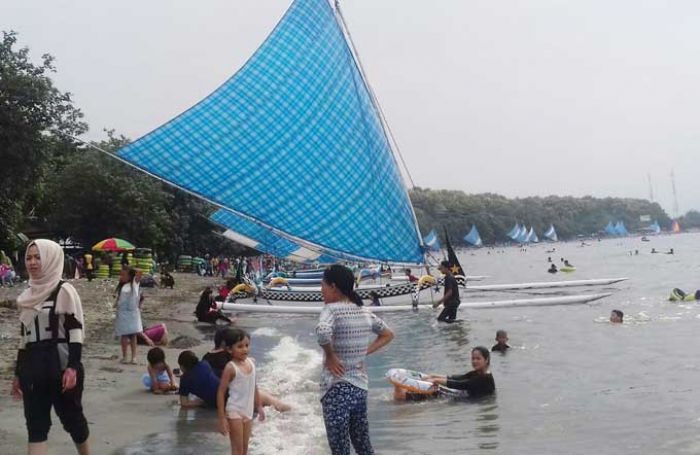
(294, 143)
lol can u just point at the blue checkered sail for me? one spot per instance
(252, 235)
(293, 142)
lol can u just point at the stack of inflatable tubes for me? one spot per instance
(102, 271)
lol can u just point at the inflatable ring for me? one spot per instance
(566, 269)
(677, 295)
(278, 281)
(410, 381)
(243, 288)
(426, 280)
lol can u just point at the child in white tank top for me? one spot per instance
(236, 413)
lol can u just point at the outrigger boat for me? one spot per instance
(296, 155)
(483, 288)
(367, 292)
(533, 302)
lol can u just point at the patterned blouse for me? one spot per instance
(348, 328)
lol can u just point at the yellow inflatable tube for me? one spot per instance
(278, 281)
(426, 280)
(243, 288)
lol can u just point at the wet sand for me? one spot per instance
(119, 409)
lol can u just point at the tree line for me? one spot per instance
(52, 180)
(495, 215)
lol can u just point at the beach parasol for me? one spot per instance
(113, 244)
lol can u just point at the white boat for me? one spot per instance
(518, 303)
(486, 287)
(545, 284)
(399, 278)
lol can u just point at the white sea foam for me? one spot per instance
(265, 332)
(290, 372)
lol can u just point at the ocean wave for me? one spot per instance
(290, 372)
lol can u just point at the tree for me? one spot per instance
(36, 121)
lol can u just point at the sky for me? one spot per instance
(520, 98)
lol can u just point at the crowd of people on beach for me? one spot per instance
(49, 371)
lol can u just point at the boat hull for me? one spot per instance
(474, 305)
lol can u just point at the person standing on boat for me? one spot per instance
(450, 299)
(344, 331)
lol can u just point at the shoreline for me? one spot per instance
(119, 409)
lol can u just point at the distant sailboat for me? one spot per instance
(620, 229)
(518, 234)
(473, 238)
(513, 233)
(617, 229)
(654, 228)
(522, 237)
(551, 234)
(610, 228)
(431, 241)
(532, 236)
(676, 227)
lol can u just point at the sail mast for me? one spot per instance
(675, 195)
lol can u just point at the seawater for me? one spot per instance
(572, 384)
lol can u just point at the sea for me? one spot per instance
(573, 383)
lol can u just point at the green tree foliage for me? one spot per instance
(77, 192)
(91, 195)
(690, 220)
(495, 215)
(36, 120)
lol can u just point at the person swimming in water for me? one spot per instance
(501, 342)
(552, 269)
(567, 263)
(616, 316)
(475, 384)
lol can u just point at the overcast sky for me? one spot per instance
(521, 98)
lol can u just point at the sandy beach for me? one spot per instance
(119, 409)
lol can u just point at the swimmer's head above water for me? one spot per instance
(616, 316)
